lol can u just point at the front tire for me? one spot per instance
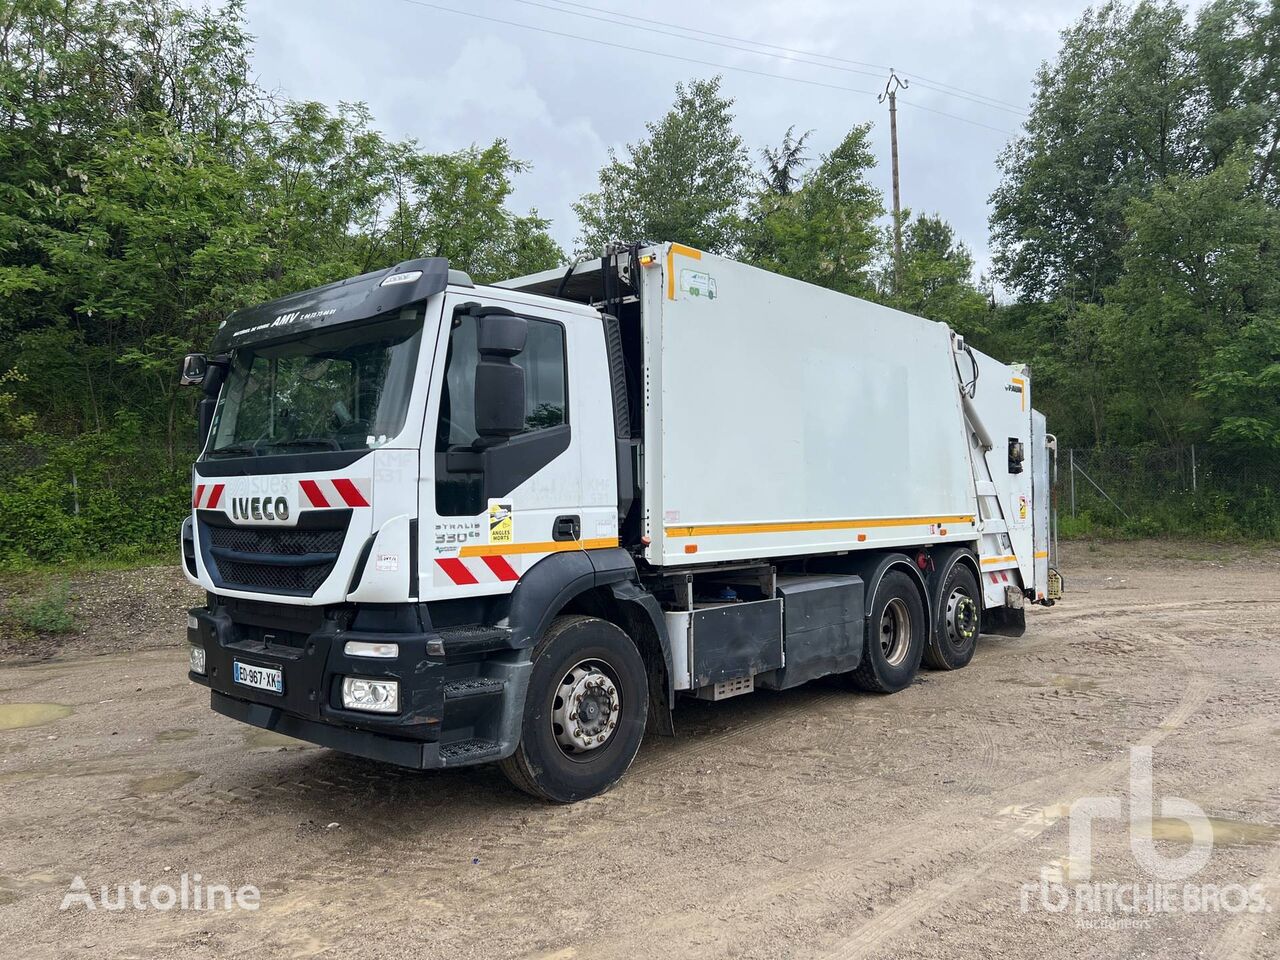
(584, 713)
(895, 636)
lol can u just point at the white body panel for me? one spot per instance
(787, 419)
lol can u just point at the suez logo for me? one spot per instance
(276, 505)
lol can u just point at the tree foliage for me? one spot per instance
(1138, 219)
(824, 231)
(686, 181)
(147, 187)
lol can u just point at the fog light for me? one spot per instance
(197, 660)
(375, 696)
(379, 651)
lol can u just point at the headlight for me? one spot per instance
(197, 660)
(375, 696)
(192, 622)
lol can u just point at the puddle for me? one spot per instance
(1065, 681)
(16, 715)
(161, 783)
(270, 740)
(175, 736)
(1228, 833)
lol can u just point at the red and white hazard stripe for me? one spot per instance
(334, 493)
(999, 576)
(466, 571)
(210, 502)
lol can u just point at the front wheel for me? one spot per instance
(584, 713)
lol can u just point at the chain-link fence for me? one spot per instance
(1137, 484)
(17, 458)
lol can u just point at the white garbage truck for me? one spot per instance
(440, 523)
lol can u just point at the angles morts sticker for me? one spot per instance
(501, 522)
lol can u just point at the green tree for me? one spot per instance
(936, 277)
(1202, 264)
(147, 188)
(824, 231)
(782, 164)
(1111, 115)
(686, 181)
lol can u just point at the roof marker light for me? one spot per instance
(395, 278)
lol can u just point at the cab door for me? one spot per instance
(492, 509)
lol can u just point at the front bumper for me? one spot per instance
(454, 711)
(360, 743)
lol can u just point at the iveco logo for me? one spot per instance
(260, 508)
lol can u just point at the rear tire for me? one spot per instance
(958, 622)
(584, 713)
(895, 636)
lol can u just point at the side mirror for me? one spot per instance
(194, 368)
(500, 400)
(501, 333)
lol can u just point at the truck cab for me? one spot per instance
(419, 519)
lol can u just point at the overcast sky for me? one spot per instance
(449, 80)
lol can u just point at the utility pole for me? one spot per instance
(891, 94)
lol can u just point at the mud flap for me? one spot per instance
(1005, 621)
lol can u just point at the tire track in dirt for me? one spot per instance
(876, 934)
(893, 849)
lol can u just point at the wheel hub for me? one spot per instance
(895, 632)
(586, 709)
(962, 618)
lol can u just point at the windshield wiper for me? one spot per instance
(328, 444)
(249, 447)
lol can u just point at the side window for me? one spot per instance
(545, 379)
(461, 483)
(545, 403)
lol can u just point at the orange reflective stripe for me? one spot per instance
(550, 546)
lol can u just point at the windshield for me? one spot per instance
(344, 390)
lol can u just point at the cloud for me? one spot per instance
(449, 80)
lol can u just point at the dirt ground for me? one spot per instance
(811, 823)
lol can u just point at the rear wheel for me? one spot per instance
(895, 636)
(584, 713)
(958, 623)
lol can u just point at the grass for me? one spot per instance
(128, 559)
(46, 612)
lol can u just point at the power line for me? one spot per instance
(942, 113)
(616, 19)
(673, 56)
(724, 36)
(938, 86)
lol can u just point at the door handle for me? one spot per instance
(567, 528)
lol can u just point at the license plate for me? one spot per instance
(260, 678)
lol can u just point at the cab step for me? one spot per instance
(468, 751)
(473, 687)
(458, 642)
